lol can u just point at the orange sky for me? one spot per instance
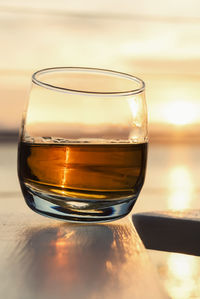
(159, 43)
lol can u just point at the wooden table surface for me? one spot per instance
(44, 258)
(40, 257)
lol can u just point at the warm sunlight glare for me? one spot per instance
(182, 266)
(181, 187)
(180, 112)
(182, 269)
(134, 107)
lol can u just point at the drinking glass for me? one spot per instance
(83, 144)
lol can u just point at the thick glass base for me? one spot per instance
(77, 210)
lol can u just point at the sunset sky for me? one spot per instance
(155, 40)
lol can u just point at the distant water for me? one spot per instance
(9, 136)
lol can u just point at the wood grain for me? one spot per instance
(42, 258)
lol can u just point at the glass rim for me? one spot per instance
(91, 70)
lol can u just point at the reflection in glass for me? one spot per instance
(83, 147)
(83, 261)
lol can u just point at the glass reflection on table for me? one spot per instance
(81, 261)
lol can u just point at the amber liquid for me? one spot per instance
(92, 171)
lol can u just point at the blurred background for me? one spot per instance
(158, 41)
(155, 40)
